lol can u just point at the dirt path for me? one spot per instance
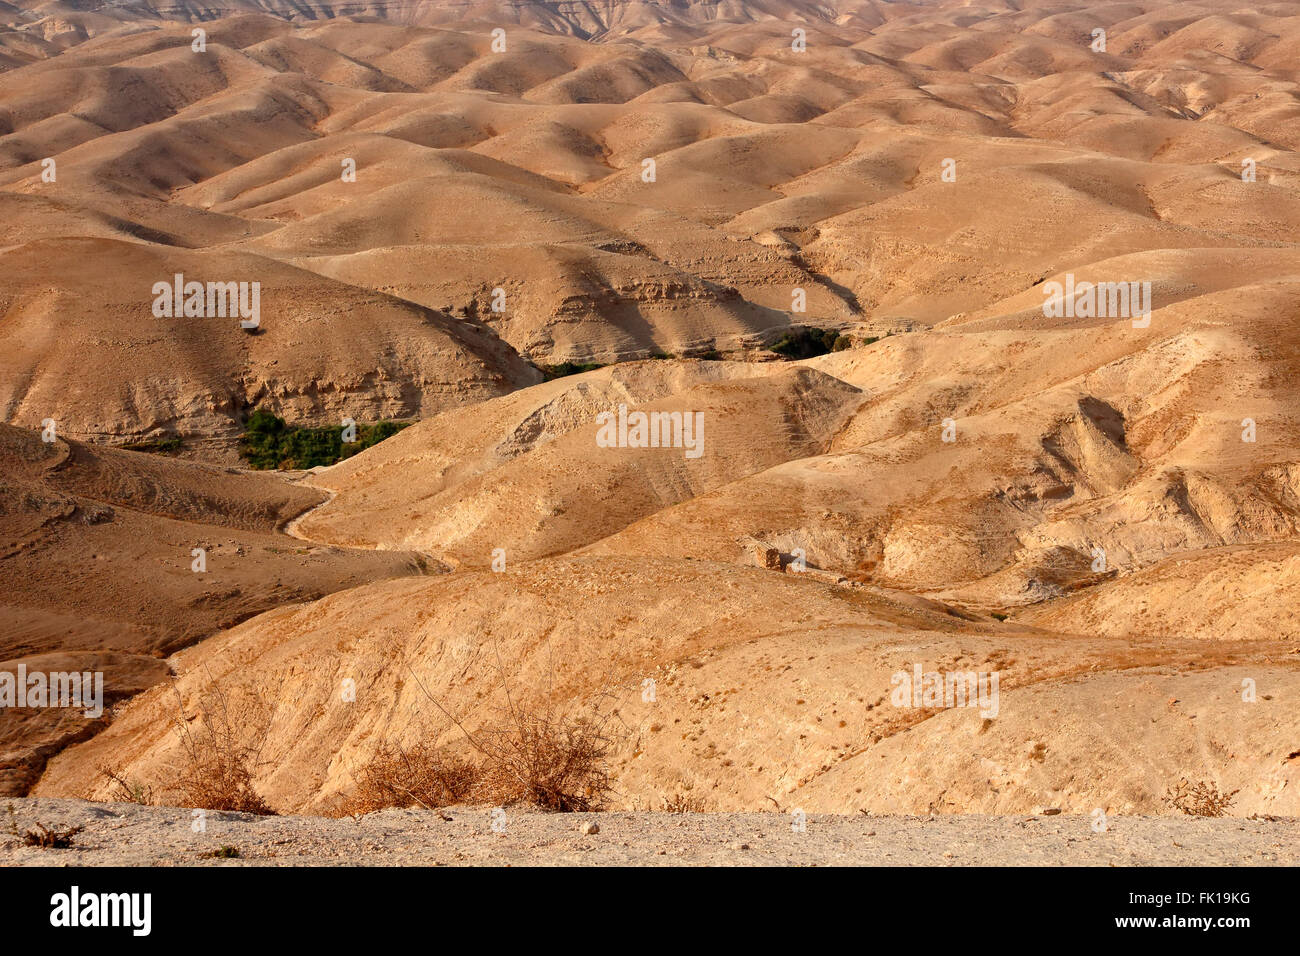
(291, 526)
(126, 834)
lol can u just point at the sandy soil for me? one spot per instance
(127, 834)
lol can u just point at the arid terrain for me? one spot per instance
(512, 223)
(118, 834)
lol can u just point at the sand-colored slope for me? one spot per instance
(556, 495)
(1128, 440)
(1228, 594)
(779, 690)
(97, 571)
(1117, 742)
(522, 168)
(384, 487)
(203, 372)
(1128, 495)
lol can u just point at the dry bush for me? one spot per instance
(51, 838)
(47, 838)
(221, 853)
(682, 803)
(555, 763)
(1200, 799)
(420, 776)
(123, 790)
(219, 760)
(532, 755)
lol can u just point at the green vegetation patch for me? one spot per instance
(803, 342)
(568, 368)
(159, 446)
(270, 443)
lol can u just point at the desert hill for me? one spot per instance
(557, 492)
(98, 571)
(914, 162)
(205, 373)
(779, 689)
(1051, 256)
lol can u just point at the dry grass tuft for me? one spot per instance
(221, 853)
(51, 838)
(420, 776)
(682, 803)
(1200, 799)
(555, 763)
(219, 761)
(47, 838)
(123, 790)
(530, 755)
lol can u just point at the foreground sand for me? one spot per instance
(127, 834)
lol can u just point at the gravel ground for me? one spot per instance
(126, 834)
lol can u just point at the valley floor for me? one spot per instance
(128, 834)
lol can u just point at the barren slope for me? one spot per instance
(1100, 506)
(97, 556)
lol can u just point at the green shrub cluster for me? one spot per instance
(158, 446)
(568, 368)
(270, 443)
(805, 342)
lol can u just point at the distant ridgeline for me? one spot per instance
(270, 443)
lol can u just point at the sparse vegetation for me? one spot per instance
(1199, 799)
(530, 755)
(682, 803)
(221, 853)
(124, 790)
(803, 342)
(533, 757)
(420, 776)
(269, 442)
(568, 368)
(47, 838)
(555, 763)
(221, 750)
(219, 760)
(51, 838)
(158, 446)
